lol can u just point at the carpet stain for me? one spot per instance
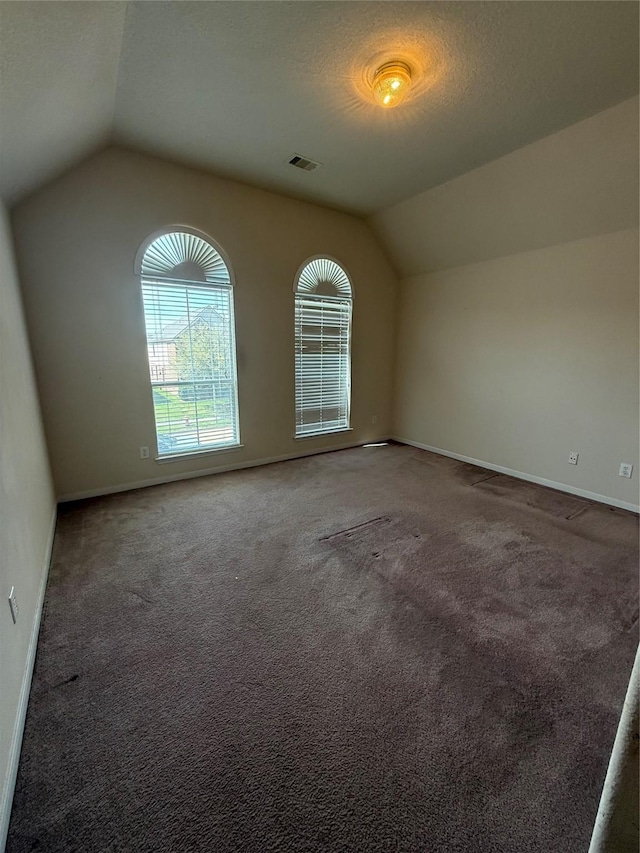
(532, 495)
(484, 479)
(350, 532)
(140, 596)
(576, 513)
(69, 680)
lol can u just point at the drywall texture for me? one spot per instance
(579, 182)
(76, 242)
(26, 510)
(520, 360)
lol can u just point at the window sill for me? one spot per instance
(189, 454)
(324, 432)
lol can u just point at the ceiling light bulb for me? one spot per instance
(391, 83)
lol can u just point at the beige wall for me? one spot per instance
(520, 360)
(522, 345)
(76, 242)
(26, 512)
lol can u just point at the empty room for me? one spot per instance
(319, 426)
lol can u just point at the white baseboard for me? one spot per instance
(205, 472)
(18, 726)
(521, 475)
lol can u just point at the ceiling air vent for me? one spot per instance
(304, 163)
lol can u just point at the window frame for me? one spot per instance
(185, 284)
(298, 294)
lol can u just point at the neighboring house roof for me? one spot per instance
(173, 331)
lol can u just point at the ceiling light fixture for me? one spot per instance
(391, 83)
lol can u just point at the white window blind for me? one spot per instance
(191, 354)
(323, 344)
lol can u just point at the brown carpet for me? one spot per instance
(373, 651)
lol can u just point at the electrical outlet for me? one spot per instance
(144, 453)
(374, 419)
(13, 604)
(626, 470)
(573, 458)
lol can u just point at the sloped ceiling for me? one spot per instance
(579, 182)
(238, 87)
(58, 74)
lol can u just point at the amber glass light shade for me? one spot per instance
(391, 83)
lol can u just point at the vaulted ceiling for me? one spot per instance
(238, 87)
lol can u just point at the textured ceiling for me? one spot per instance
(238, 87)
(58, 74)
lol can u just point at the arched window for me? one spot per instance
(188, 310)
(323, 300)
